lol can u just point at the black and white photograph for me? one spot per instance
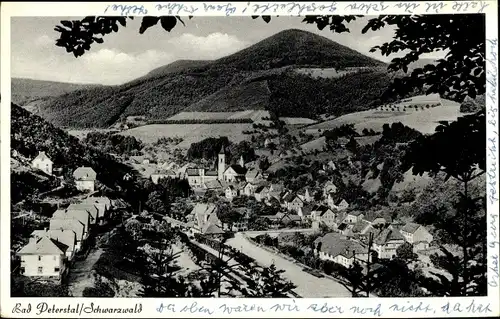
(318, 156)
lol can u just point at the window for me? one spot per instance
(39, 258)
(56, 269)
(40, 270)
(21, 270)
(54, 258)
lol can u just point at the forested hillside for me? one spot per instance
(31, 134)
(262, 68)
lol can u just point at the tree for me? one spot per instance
(266, 282)
(134, 227)
(354, 279)
(157, 203)
(100, 290)
(457, 150)
(159, 276)
(405, 252)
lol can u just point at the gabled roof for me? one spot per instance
(68, 224)
(261, 188)
(360, 226)
(90, 207)
(44, 246)
(82, 215)
(355, 213)
(307, 209)
(67, 237)
(238, 169)
(340, 201)
(334, 244)
(342, 226)
(42, 157)
(211, 229)
(85, 174)
(252, 173)
(213, 184)
(289, 197)
(192, 172)
(387, 235)
(211, 173)
(410, 228)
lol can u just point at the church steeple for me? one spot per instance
(242, 162)
(221, 164)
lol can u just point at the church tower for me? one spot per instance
(221, 164)
(242, 162)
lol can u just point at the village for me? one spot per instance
(340, 234)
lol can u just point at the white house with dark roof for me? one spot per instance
(85, 178)
(231, 192)
(340, 250)
(353, 217)
(44, 258)
(417, 235)
(43, 163)
(387, 241)
(323, 214)
(161, 174)
(202, 216)
(67, 237)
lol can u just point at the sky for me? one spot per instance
(126, 55)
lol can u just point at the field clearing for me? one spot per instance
(329, 72)
(191, 133)
(297, 120)
(255, 115)
(424, 121)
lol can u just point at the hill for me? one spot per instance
(25, 91)
(31, 134)
(412, 112)
(258, 77)
(176, 66)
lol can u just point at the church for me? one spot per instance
(198, 177)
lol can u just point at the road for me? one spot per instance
(308, 286)
(253, 233)
(80, 275)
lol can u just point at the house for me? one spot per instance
(329, 188)
(353, 217)
(67, 237)
(362, 227)
(323, 214)
(197, 177)
(249, 189)
(85, 178)
(339, 205)
(160, 174)
(231, 192)
(261, 193)
(89, 207)
(292, 202)
(252, 175)
(376, 219)
(44, 258)
(213, 185)
(235, 173)
(340, 250)
(306, 210)
(305, 195)
(83, 216)
(417, 235)
(70, 224)
(286, 218)
(386, 243)
(330, 166)
(202, 216)
(43, 163)
(345, 229)
(102, 208)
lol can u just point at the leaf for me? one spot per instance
(168, 23)
(267, 19)
(99, 40)
(255, 17)
(179, 18)
(67, 24)
(148, 22)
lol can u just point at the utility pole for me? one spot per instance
(368, 264)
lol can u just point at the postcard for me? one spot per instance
(249, 159)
